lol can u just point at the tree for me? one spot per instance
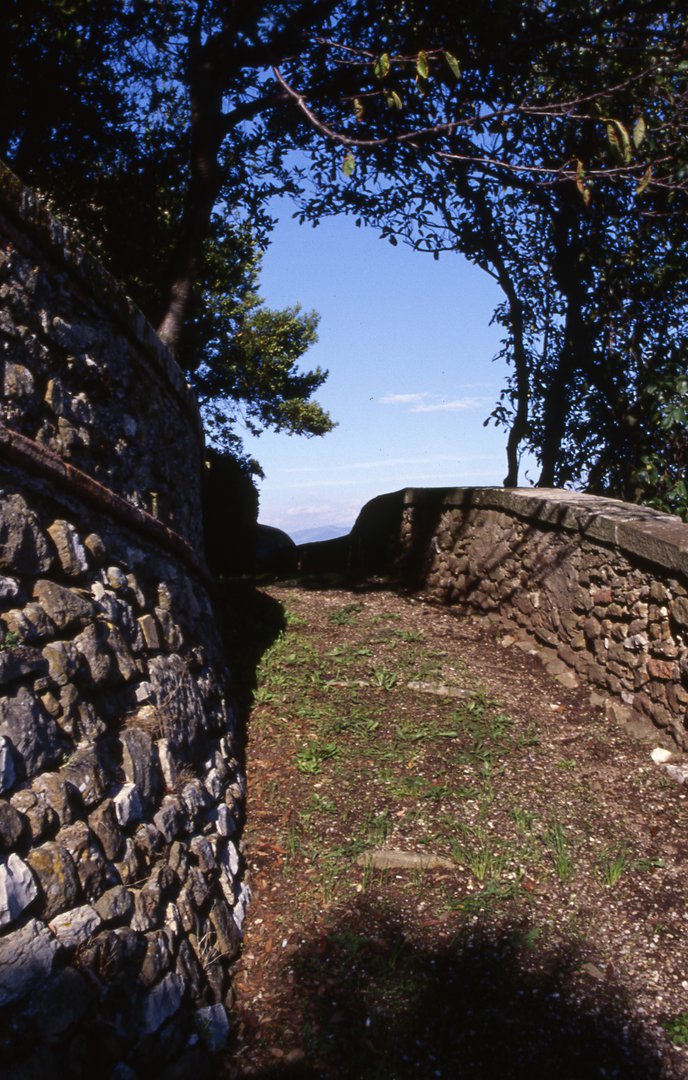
(493, 123)
(243, 357)
(140, 133)
(546, 146)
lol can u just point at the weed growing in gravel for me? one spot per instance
(523, 820)
(567, 764)
(378, 827)
(418, 787)
(613, 865)
(347, 655)
(309, 759)
(493, 894)
(383, 678)
(322, 804)
(346, 615)
(293, 620)
(410, 635)
(555, 842)
(358, 722)
(677, 1029)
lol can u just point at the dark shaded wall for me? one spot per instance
(120, 904)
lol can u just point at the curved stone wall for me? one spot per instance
(120, 905)
(602, 583)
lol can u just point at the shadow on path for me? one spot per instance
(249, 621)
(488, 1005)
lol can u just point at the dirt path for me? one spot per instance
(459, 867)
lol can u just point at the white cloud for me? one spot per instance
(458, 405)
(425, 402)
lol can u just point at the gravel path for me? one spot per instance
(460, 867)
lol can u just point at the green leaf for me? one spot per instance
(619, 141)
(581, 184)
(393, 100)
(453, 63)
(422, 64)
(358, 108)
(639, 132)
(348, 164)
(647, 176)
(382, 66)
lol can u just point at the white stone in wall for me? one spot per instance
(75, 927)
(173, 923)
(162, 1002)
(128, 804)
(232, 858)
(213, 784)
(97, 590)
(9, 588)
(226, 825)
(17, 889)
(26, 959)
(194, 797)
(240, 906)
(116, 578)
(167, 763)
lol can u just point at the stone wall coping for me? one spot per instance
(41, 461)
(61, 246)
(651, 535)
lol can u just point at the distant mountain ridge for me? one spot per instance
(324, 532)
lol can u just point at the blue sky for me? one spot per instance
(409, 348)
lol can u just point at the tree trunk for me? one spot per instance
(207, 133)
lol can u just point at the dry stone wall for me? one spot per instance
(120, 899)
(601, 583)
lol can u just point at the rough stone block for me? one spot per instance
(85, 772)
(213, 1023)
(54, 868)
(19, 663)
(158, 958)
(71, 553)
(128, 805)
(115, 905)
(18, 889)
(104, 824)
(74, 928)
(151, 632)
(34, 735)
(58, 1004)
(24, 548)
(8, 771)
(65, 607)
(140, 763)
(26, 960)
(161, 1003)
(64, 661)
(91, 866)
(12, 825)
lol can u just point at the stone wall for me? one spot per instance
(120, 904)
(601, 583)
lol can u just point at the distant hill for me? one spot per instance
(325, 532)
